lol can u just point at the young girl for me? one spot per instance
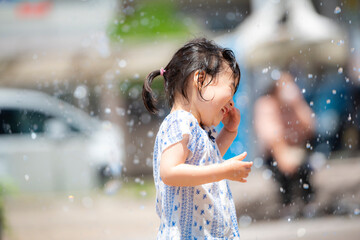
(193, 197)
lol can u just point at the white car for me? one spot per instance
(49, 145)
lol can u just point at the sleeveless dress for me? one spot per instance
(201, 212)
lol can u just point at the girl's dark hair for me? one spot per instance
(199, 54)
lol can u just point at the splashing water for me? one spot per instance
(301, 232)
(337, 10)
(245, 221)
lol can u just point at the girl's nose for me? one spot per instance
(231, 103)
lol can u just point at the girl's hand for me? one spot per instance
(231, 119)
(236, 169)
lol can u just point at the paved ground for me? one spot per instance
(130, 214)
(103, 217)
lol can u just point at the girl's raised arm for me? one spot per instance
(175, 172)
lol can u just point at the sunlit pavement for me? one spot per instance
(80, 216)
(104, 217)
(328, 228)
(131, 215)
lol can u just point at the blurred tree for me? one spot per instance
(152, 18)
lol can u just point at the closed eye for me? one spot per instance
(233, 87)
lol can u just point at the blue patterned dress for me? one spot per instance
(201, 212)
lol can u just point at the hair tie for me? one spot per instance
(162, 71)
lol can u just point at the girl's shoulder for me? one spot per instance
(179, 119)
(180, 116)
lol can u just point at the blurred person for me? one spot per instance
(284, 124)
(194, 200)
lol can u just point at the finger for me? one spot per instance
(248, 164)
(242, 180)
(241, 156)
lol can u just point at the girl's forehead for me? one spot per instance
(230, 75)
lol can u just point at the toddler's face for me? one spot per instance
(219, 96)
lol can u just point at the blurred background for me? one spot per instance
(76, 141)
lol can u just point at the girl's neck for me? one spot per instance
(185, 105)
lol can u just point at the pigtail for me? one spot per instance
(147, 93)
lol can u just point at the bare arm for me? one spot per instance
(228, 133)
(303, 112)
(270, 130)
(175, 172)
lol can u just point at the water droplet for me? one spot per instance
(337, 10)
(308, 145)
(266, 174)
(145, 118)
(334, 91)
(71, 198)
(310, 76)
(313, 115)
(258, 162)
(311, 103)
(347, 79)
(120, 111)
(245, 221)
(349, 117)
(301, 232)
(80, 92)
(33, 135)
(328, 101)
(303, 90)
(282, 190)
(265, 70)
(341, 42)
(130, 123)
(107, 110)
(87, 202)
(150, 134)
(306, 186)
(275, 74)
(122, 63)
(356, 211)
(27, 177)
(340, 70)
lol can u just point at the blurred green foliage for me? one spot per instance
(143, 189)
(7, 187)
(151, 19)
(128, 84)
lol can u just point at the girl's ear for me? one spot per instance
(199, 79)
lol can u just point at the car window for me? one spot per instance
(22, 121)
(16, 121)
